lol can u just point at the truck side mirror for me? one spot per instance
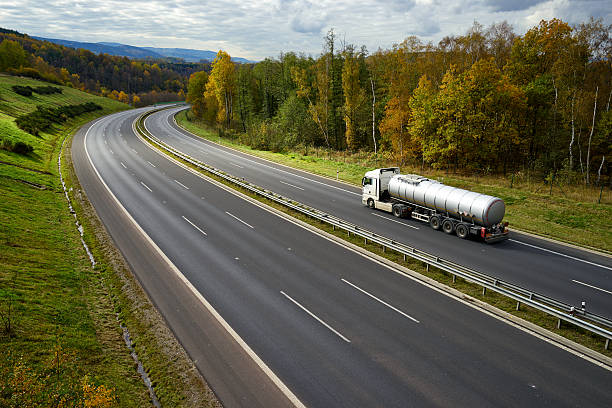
(363, 181)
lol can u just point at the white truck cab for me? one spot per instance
(375, 184)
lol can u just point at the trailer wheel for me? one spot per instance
(434, 222)
(397, 211)
(448, 226)
(370, 203)
(462, 231)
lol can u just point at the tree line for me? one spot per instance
(487, 101)
(103, 74)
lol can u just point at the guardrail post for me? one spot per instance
(559, 324)
(518, 306)
(365, 241)
(455, 278)
(484, 291)
(607, 344)
(384, 249)
(333, 227)
(405, 258)
(426, 267)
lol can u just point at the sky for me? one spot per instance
(259, 29)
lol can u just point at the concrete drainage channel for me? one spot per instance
(562, 311)
(126, 333)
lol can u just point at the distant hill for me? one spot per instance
(112, 48)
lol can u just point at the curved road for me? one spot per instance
(336, 328)
(565, 273)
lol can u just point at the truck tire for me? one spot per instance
(434, 222)
(462, 231)
(448, 226)
(370, 203)
(397, 211)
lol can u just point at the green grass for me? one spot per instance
(499, 301)
(570, 214)
(64, 327)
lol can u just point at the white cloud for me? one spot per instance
(257, 29)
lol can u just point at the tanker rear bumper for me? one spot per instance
(490, 238)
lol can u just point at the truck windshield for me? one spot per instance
(366, 181)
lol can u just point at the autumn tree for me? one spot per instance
(195, 93)
(221, 84)
(354, 98)
(12, 55)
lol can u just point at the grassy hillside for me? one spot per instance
(63, 343)
(568, 213)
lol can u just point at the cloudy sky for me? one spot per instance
(257, 29)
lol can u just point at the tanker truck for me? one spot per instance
(453, 210)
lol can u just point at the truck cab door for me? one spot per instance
(369, 186)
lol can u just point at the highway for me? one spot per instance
(565, 273)
(332, 326)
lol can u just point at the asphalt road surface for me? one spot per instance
(336, 328)
(567, 274)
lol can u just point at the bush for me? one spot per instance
(17, 147)
(42, 118)
(47, 90)
(23, 90)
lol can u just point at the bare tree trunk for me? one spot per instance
(373, 115)
(571, 156)
(591, 136)
(599, 171)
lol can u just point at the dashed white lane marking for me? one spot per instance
(315, 317)
(111, 151)
(181, 184)
(591, 286)
(150, 163)
(560, 254)
(237, 165)
(236, 218)
(291, 185)
(193, 225)
(381, 301)
(123, 165)
(145, 186)
(389, 219)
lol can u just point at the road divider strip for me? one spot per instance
(315, 317)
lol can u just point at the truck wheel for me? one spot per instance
(434, 222)
(462, 231)
(370, 203)
(397, 211)
(447, 226)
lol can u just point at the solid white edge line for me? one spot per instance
(193, 225)
(315, 317)
(232, 215)
(266, 165)
(290, 185)
(262, 365)
(458, 297)
(181, 184)
(381, 301)
(591, 286)
(399, 222)
(145, 186)
(560, 254)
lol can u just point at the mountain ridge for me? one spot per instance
(130, 51)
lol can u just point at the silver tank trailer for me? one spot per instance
(482, 209)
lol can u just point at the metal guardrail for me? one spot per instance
(562, 311)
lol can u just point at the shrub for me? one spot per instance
(42, 118)
(17, 147)
(23, 90)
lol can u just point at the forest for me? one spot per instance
(485, 102)
(139, 82)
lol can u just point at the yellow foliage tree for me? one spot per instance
(354, 97)
(221, 84)
(123, 97)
